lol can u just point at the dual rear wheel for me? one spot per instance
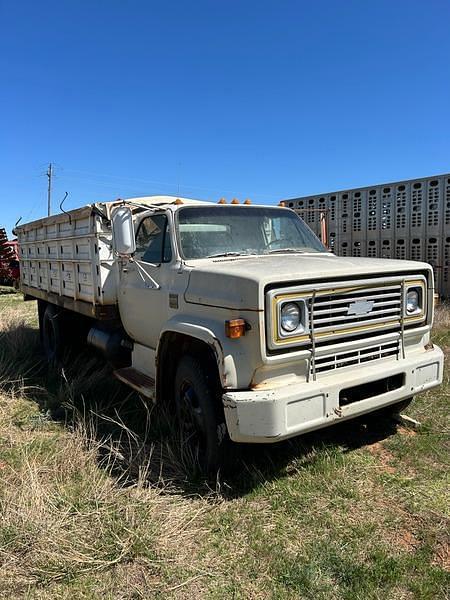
(52, 332)
(61, 331)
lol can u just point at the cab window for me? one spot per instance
(153, 240)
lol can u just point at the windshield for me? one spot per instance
(208, 231)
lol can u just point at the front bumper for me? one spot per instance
(267, 416)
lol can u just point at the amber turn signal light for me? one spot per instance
(235, 328)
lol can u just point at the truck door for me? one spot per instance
(146, 279)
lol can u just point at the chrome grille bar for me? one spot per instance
(367, 292)
(352, 317)
(402, 319)
(345, 308)
(340, 310)
(349, 357)
(313, 339)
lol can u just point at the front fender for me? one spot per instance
(208, 332)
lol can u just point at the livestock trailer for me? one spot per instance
(405, 220)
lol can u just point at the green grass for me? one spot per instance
(94, 502)
(6, 289)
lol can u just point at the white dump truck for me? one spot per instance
(235, 313)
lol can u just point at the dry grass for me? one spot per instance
(96, 502)
(442, 317)
(65, 519)
(76, 505)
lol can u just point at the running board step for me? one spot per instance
(140, 382)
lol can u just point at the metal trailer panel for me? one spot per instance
(404, 220)
(70, 255)
(446, 235)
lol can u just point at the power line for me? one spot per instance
(171, 184)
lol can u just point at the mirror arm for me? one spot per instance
(142, 272)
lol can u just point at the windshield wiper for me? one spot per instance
(227, 254)
(291, 250)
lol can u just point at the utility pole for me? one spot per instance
(49, 189)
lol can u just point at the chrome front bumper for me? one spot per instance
(271, 415)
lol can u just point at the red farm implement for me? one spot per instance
(9, 262)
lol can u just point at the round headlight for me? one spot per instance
(290, 316)
(412, 301)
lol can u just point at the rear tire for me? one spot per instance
(200, 415)
(52, 333)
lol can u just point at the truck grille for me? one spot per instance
(347, 358)
(347, 309)
(343, 310)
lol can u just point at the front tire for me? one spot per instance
(200, 414)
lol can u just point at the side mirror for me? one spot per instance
(123, 230)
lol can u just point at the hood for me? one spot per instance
(235, 282)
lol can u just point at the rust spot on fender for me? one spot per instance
(259, 386)
(227, 403)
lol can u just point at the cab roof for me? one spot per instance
(164, 200)
(172, 202)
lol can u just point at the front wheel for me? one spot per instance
(200, 414)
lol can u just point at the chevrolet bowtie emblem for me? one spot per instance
(360, 307)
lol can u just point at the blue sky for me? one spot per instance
(208, 99)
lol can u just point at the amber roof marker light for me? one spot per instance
(222, 201)
(247, 201)
(235, 201)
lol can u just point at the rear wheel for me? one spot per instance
(200, 414)
(52, 333)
